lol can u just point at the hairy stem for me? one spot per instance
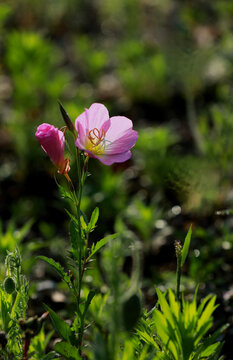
(81, 267)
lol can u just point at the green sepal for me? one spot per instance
(66, 118)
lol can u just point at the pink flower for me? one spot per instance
(52, 142)
(106, 139)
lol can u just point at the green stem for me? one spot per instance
(178, 276)
(178, 248)
(81, 268)
(18, 278)
(81, 183)
(82, 180)
(81, 332)
(16, 302)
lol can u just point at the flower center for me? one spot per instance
(96, 141)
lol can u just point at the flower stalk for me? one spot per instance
(98, 136)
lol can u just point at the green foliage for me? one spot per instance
(28, 54)
(135, 75)
(74, 238)
(13, 307)
(61, 327)
(67, 350)
(181, 331)
(91, 57)
(65, 277)
(142, 217)
(13, 236)
(39, 344)
(96, 247)
(215, 126)
(94, 219)
(186, 246)
(5, 11)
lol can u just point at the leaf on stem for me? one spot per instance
(68, 351)
(83, 223)
(50, 356)
(148, 339)
(58, 268)
(61, 327)
(90, 296)
(74, 238)
(186, 246)
(65, 194)
(72, 217)
(94, 219)
(96, 247)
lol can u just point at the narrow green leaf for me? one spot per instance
(72, 217)
(65, 194)
(147, 338)
(186, 246)
(144, 353)
(74, 238)
(209, 342)
(90, 296)
(68, 351)
(50, 356)
(207, 312)
(58, 268)
(210, 350)
(61, 326)
(83, 223)
(94, 219)
(96, 247)
(202, 304)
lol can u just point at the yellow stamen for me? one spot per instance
(96, 141)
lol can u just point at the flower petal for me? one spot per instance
(80, 141)
(92, 118)
(115, 158)
(52, 141)
(122, 144)
(119, 125)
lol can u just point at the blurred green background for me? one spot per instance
(168, 66)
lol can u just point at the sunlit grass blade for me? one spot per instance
(186, 246)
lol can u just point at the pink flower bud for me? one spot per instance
(52, 142)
